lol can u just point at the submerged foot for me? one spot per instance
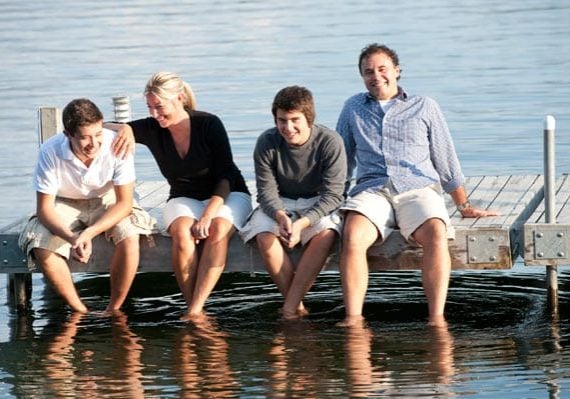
(194, 317)
(437, 321)
(294, 315)
(352, 321)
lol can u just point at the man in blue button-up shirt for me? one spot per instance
(405, 157)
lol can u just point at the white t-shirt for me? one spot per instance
(387, 104)
(59, 172)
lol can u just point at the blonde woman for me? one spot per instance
(208, 198)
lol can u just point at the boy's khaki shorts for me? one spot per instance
(79, 214)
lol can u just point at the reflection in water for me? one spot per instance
(364, 363)
(380, 366)
(363, 381)
(497, 338)
(75, 367)
(201, 361)
(301, 362)
(440, 353)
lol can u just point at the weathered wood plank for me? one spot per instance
(50, 122)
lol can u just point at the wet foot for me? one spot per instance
(352, 321)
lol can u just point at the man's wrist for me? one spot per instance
(463, 206)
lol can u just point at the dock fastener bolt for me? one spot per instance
(540, 254)
(561, 254)
(492, 239)
(560, 234)
(493, 258)
(539, 235)
(472, 239)
(473, 258)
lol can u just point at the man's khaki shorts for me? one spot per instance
(79, 214)
(406, 211)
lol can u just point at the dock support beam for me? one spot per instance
(20, 290)
(550, 206)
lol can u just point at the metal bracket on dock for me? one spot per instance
(550, 242)
(483, 247)
(11, 256)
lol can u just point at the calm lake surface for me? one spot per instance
(496, 68)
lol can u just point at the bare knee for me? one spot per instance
(221, 231)
(180, 234)
(325, 237)
(358, 232)
(129, 243)
(45, 257)
(265, 240)
(431, 232)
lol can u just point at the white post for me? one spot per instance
(122, 108)
(550, 205)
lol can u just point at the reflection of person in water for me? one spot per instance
(201, 359)
(366, 372)
(363, 378)
(75, 369)
(300, 362)
(441, 353)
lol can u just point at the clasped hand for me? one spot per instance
(289, 231)
(81, 248)
(201, 229)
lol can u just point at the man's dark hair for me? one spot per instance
(295, 98)
(78, 113)
(375, 48)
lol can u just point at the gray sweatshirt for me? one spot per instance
(317, 168)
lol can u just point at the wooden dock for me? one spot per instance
(485, 243)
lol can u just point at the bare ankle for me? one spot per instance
(352, 321)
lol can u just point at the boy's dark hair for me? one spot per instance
(295, 98)
(78, 113)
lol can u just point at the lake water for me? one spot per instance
(496, 68)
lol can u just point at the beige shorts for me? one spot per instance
(406, 211)
(78, 214)
(236, 209)
(260, 222)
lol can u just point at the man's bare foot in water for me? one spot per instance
(352, 321)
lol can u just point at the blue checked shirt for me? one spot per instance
(410, 146)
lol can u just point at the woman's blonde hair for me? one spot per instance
(168, 85)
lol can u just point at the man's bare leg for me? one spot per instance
(358, 235)
(436, 267)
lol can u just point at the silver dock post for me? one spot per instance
(122, 108)
(550, 205)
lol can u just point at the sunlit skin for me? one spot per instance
(86, 142)
(168, 113)
(380, 76)
(293, 127)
